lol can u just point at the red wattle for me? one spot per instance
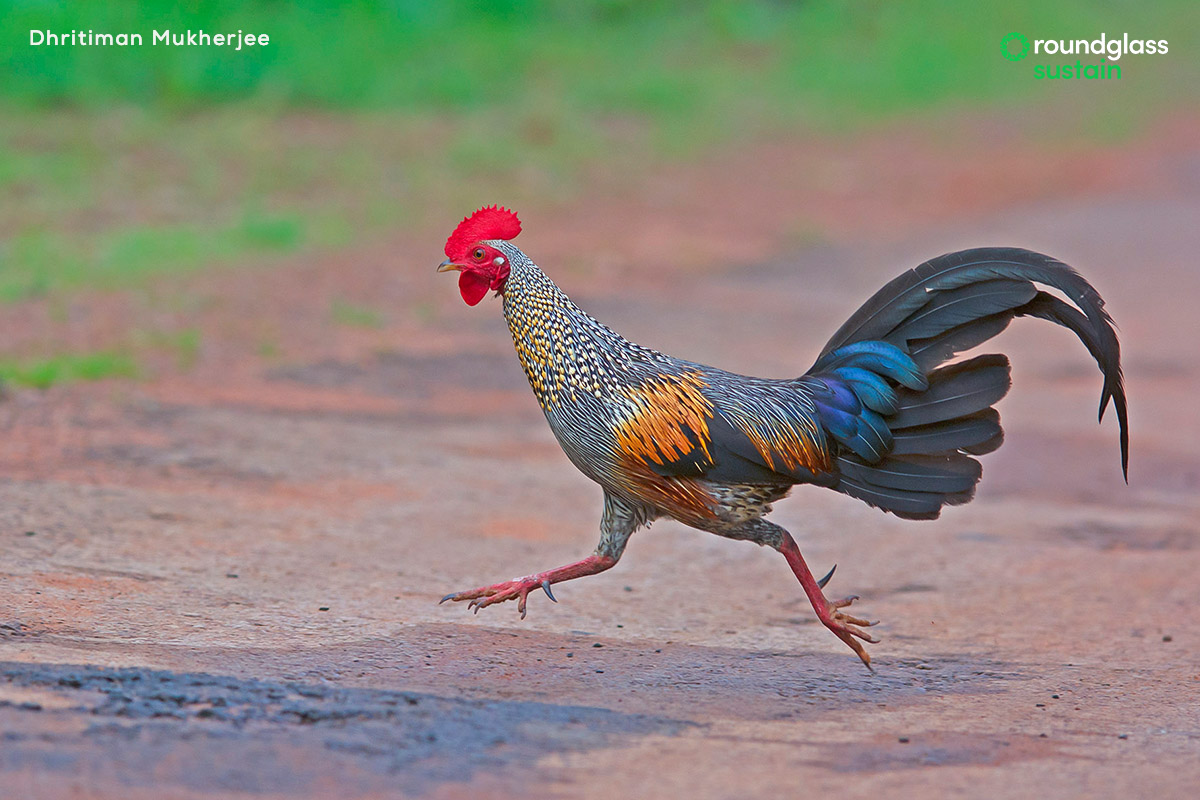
(473, 286)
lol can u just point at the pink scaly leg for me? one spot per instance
(842, 625)
(519, 588)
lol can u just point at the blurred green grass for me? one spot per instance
(41, 373)
(670, 60)
(121, 163)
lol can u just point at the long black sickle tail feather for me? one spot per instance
(1108, 356)
(907, 423)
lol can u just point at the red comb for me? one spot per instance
(490, 222)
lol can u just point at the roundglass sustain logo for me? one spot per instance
(1014, 46)
(1109, 49)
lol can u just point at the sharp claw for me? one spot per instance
(447, 597)
(546, 589)
(821, 583)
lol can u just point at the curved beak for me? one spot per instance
(447, 265)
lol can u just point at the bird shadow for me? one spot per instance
(209, 731)
(435, 704)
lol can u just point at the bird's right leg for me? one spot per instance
(844, 626)
(620, 521)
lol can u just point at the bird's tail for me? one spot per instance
(908, 423)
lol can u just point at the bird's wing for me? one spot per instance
(688, 426)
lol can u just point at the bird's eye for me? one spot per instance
(479, 254)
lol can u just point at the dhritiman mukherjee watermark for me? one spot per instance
(189, 38)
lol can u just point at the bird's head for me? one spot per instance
(471, 250)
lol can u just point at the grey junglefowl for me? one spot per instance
(880, 416)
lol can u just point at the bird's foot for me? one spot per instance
(845, 627)
(517, 589)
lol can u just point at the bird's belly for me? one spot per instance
(738, 504)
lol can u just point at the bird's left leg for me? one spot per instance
(519, 588)
(620, 520)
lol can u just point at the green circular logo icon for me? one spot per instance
(1014, 47)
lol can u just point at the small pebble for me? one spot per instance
(1054, 696)
(570, 655)
(323, 608)
(597, 644)
(31, 533)
(1123, 736)
(230, 574)
(1167, 638)
(903, 740)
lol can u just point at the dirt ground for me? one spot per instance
(223, 581)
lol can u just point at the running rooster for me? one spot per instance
(880, 416)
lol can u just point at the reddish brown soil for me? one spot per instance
(261, 541)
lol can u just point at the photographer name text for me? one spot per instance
(188, 38)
